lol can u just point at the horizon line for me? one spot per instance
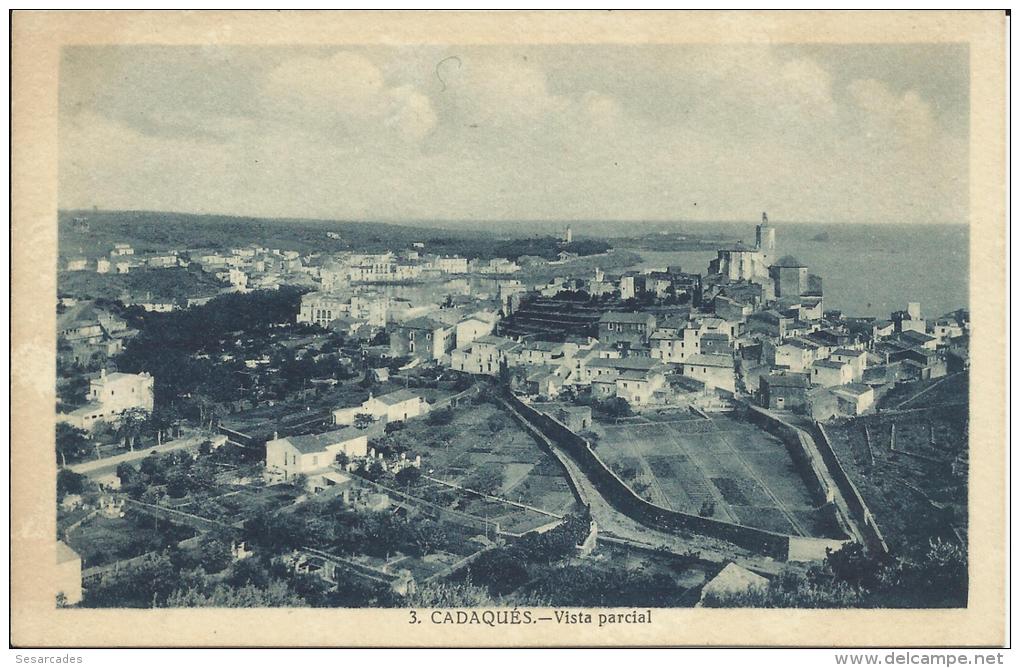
(432, 222)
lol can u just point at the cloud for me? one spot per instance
(905, 116)
(347, 91)
(557, 132)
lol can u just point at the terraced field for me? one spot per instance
(722, 468)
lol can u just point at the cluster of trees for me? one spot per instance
(177, 473)
(505, 569)
(328, 526)
(168, 344)
(932, 577)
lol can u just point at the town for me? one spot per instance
(423, 422)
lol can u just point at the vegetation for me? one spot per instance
(935, 577)
(177, 348)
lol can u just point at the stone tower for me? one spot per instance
(765, 240)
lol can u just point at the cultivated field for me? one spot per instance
(468, 451)
(721, 468)
(911, 466)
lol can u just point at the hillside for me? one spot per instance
(149, 231)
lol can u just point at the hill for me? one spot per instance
(150, 231)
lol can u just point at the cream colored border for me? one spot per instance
(37, 39)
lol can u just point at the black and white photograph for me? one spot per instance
(551, 329)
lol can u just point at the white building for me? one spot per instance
(715, 371)
(452, 265)
(474, 326)
(297, 455)
(102, 266)
(829, 373)
(110, 395)
(484, 356)
(395, 406)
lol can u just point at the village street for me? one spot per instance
(190, 438)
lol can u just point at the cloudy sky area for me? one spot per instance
(836, 133)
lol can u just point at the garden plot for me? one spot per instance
(722, 468)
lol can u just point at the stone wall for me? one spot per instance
(626, 501)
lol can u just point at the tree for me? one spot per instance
(393, 426)
(215, 553)
(342, 459)
(69, 482)
(441, 416)
(363, 420)
(71, 442)
(429, 536)
(132, 422)
(616, 407)
(496, 423)
(408, 476)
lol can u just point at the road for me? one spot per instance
(98, 468)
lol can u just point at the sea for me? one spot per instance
(866, 270)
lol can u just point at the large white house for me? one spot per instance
(110, 396)
(305, 455)
(399, 405)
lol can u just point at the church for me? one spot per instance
(748, 263)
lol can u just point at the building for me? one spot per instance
(674, 346)
(829, 373)
(910, 320)
(594, 368)
(540, 353)
(486, 355)
(790, 278)
(85, 330)
(306, 455)
(631, 328)
(110, 396)
(732, 581)
(472, 327)
(77, 264)
(423, 338)
(741, 262)
(68, 574)
(320, 308)
(395, 406)
(793, 354)
(121, 250)
(854, 398)
(451, 265)
(784, 391)
(857, 359)
(102, 266)
(639, 387)
(715, 371)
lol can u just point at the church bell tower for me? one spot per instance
(765, 240)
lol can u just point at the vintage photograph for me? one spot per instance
(507, 329)
(482, 326)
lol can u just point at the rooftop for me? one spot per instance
(312, 443)
(854, 389)
(721, 361)
(423, 322)
(829, 364)
(847, 352)
(400, 396)
(635, 363)
(787, 380)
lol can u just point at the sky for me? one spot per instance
(858, 133)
